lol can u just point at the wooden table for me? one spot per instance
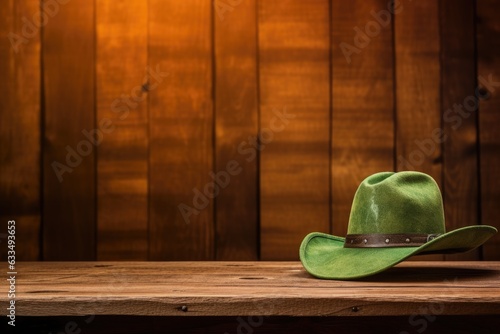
(248, 297)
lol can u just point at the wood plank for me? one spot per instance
(460, 155)
(252, 288)
(294, 70)
(362, 98)
(418, 106)
(181, 131)
(418, 88)
(488, 64)
(20, 127)
(236, 119)
(122, 166)
(69, 213)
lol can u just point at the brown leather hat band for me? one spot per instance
(387, 240)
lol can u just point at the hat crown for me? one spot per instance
(393, 203)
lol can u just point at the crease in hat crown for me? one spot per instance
(397, 203)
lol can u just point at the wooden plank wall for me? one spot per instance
(294, 129)
(488, 68)
(181, 131)
(236, 120)
(460, 154)
(20, 124)
(122, 129)
(68, 169)
(362, 135)
(228, 129)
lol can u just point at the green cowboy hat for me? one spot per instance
(393, 216)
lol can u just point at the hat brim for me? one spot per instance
(324, 256)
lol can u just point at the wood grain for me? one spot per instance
(460, 156)
(69, 213)
(418, 115)
(294, 69)
(181, 131)
(251, 288)
(488, 48)
(362, 97)
(236, 119)
(122, 166)
(20, 143)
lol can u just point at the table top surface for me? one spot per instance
(251, 288)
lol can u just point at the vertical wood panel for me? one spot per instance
(418, 88)
(236, 116)
(181, 131)
(488, 51)
(418, 91)
(122, 73)
(458, 73)
(68, 65)
(20, 126)
(294, 41)
(362, 97)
